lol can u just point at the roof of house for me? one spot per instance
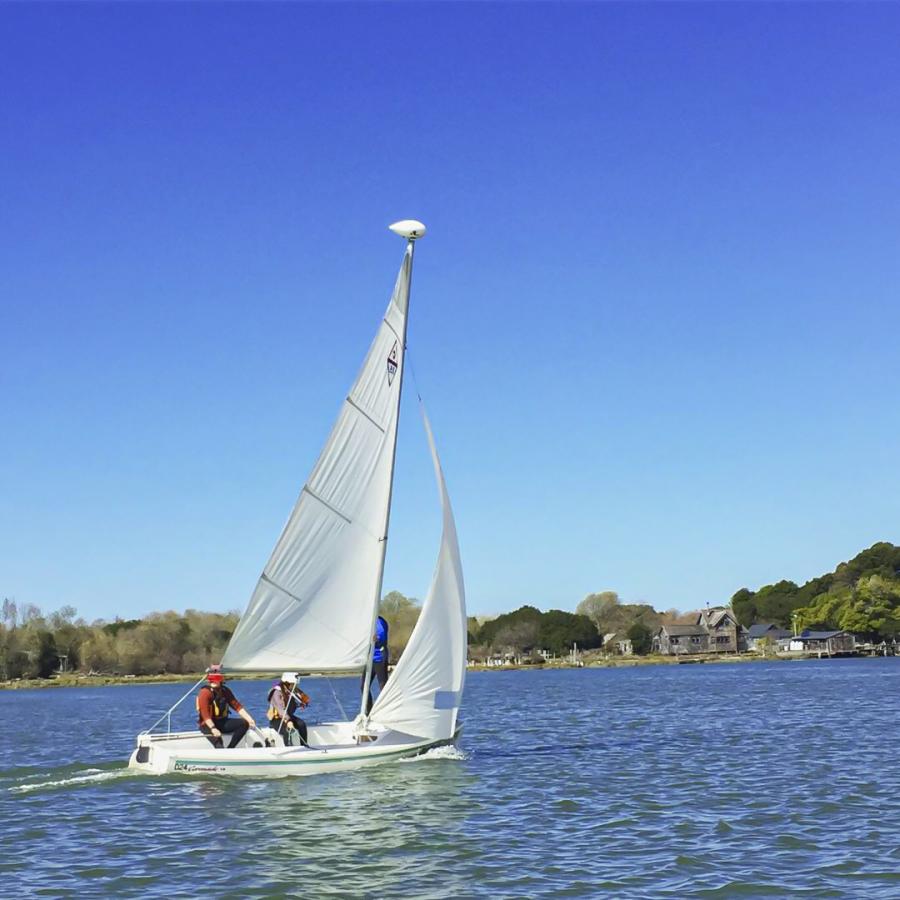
(808, 635)
(714, 617)
(761, 629)
(683, 630)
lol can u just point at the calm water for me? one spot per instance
(665, 781)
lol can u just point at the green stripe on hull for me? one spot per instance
(294, 762)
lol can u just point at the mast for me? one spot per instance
(411, 230)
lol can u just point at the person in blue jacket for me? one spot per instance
(379, 659)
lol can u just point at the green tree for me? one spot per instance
(114, 628)
(559, 630)
(825, 610)
(776, 602)
(641, 638)
(401, 613)
(874, 608)
(40, 650)
(882, 558)
(13, 660)
(517, 629)
(743, 605)
(98, 652)
(840, 599)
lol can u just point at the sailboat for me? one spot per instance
(315, 604)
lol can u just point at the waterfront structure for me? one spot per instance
(832, 643)
(715, 630)
(673, 640)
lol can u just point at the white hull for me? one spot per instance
(332, 749)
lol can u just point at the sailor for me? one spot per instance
(379, 659)
(213, 703)
(285, 698)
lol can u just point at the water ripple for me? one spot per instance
(691, 781)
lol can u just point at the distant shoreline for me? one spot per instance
(622, 662)
(625, 662)
(61, 681)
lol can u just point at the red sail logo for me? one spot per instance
(392, 363)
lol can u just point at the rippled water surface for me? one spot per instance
(765, 779)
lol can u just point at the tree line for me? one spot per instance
(862, 596)
(35, 645)
(528, 631)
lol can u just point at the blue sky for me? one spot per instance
(655, 319)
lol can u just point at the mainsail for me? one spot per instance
(423, 694)
(313, 605)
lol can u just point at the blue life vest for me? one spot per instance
(381, 639)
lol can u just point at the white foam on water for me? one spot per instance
(447, 752)
(88, 776)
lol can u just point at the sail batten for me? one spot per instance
(363, 413)
(326, 504)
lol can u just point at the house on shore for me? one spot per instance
(715, 630)
(673, 640)
(832, 643)
(619, 640)
(725, 634)
(764, 633)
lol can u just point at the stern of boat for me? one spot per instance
(145, 757)
(159, 754)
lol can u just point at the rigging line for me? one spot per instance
(336, 700)
(174, 706)
(412, 371)
(286, 705)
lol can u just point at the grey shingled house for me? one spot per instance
(714, 631)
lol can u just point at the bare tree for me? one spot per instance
(597, 606)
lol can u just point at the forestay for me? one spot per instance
(313, 606)
(423, 694)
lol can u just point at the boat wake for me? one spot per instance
(82, 777)
(447, 752)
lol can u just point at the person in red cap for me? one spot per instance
(213, 703)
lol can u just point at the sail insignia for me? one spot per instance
(392, 363)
